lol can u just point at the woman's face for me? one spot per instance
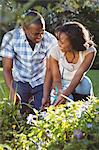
(64, 42)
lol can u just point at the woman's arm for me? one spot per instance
(47, 85)
(56, 74)
(47, 81)
(52, 77)
(86, 64)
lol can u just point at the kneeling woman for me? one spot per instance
(69, 61)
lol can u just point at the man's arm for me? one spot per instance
(7, 71)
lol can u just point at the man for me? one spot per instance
(24, 52)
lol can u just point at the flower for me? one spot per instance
(48, 133)
(31, 118)
(78, 114)
(43, 114)
(78, 134)
(82, 109)
(14, 126)
(89, 125)
(87, 104)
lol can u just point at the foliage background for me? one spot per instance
(14, 132)
(55, 13)
(68, 127)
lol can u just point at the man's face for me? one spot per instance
(34, 32)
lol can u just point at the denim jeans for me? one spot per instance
(84, 88)
(29, 94)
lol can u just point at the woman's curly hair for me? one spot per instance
(79, 36)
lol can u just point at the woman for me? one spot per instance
(69, 61)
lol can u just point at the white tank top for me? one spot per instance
(68, 70)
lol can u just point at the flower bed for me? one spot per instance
(70, 126)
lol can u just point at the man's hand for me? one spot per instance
(13, 96)
(7, 71)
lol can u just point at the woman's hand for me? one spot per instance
(60, 100)
(45, 103)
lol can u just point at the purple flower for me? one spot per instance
(31, 118)
(89, 125)
(78, 134)
(83, 108)
(78, 114)
(43, 114)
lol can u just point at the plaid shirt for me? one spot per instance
(28, 65)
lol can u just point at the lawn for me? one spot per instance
(3, 88)
(93, 74)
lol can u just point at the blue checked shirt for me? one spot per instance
(28, 65)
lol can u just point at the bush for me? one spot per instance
(70, 126)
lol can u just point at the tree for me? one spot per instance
(55, 13)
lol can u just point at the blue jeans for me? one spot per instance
(29, 94)
(84, 88)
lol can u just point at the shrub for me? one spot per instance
(70, 126)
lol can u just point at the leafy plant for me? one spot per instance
(70, 126)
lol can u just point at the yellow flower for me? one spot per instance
(14, 126)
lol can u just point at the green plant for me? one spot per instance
(70, 126)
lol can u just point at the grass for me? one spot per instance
(93, 74)
(3, 88)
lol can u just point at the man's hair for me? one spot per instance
(33, 17)
(77, 34)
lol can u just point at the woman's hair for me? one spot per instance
(78, 35)
(33, 17)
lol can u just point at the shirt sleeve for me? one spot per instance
(90, 50)
(52, 43)
(7, 49)
(55, 52)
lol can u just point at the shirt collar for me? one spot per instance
(23, 36)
